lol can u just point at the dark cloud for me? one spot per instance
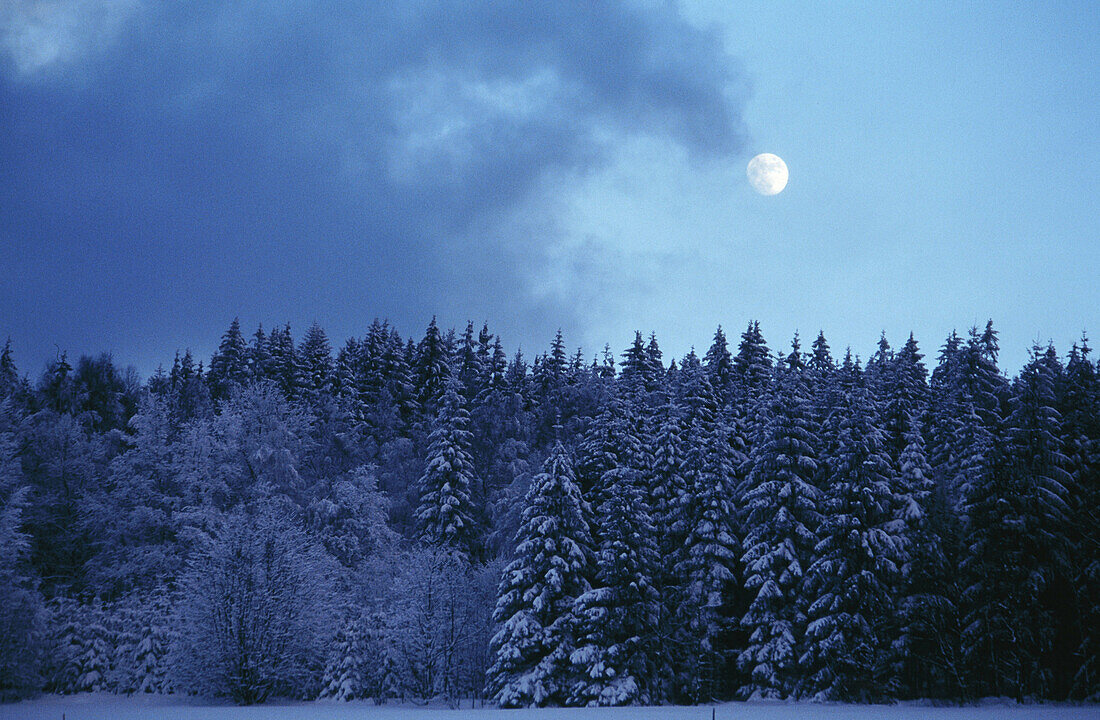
(167, 166)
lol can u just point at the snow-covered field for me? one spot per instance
(113, 707)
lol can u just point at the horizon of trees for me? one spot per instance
(434, 519)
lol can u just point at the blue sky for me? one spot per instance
(166, 168)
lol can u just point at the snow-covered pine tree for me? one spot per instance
(666, 487)
(538, 590)
(469, 357)
(94, 649)
(9, 375)
(611, 441)
(635, 381)
(615, 620)
(1080, 410)
(1016, 513)
(706, 567)
(430, 369)
(922, 667)
(781, 520)
(284, 360)
(719, 367)
(315, 367)
(851, 585)
(903, 397)
(752, 373)
(257, 356)
(148, 662)
(229, 365)
(445, 515)
(820, 367)
(345, 671)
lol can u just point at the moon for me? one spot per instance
(767, 174)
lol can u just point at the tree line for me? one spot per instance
(403, 519)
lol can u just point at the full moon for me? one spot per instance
(767, 174)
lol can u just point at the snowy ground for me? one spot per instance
(112, 707)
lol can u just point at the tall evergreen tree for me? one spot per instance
(538, 591)
(284, 360)
(1080, 411)
(316, 373)
(1016, 522)
(706, 566)
(781, 519)
(446, 514)
(719, 367)
(615, 620)
(229, 365)
(852, 584)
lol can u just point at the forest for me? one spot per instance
(411, 520)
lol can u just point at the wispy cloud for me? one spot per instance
(40, 35)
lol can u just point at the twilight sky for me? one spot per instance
(167, 166)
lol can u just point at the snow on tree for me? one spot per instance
(348, 515)
(315, 367)
(1080, 410)
(147, 664)
(433, 618)
(21, 612)
(611, 441)
(538, 591)
(346, 670)
(851, 585)
(752, 369)
(706, 567)
(229, 365)
(431, 368)
(1017, 512)
(615, 620)
(445, 516)
(781, 518)
(719, 367)
(257, 611)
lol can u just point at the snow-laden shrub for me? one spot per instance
(256, 613)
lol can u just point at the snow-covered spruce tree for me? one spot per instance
(1080, 410)
(923, 669)
(538, 590)
(445, 515)
(229, 365)
(1016, 513)
(718, 364)
(752, 368)
(257, 611)
(316, 374)
(781, 520)
(852, 583)
(283, 361)
(345, 671)
(616, 619)
(147, 665)
(666, 487)
(430, 369)
(84, 648)
(611, 441)
(903, 397)
(636, 380)
(706, 567)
